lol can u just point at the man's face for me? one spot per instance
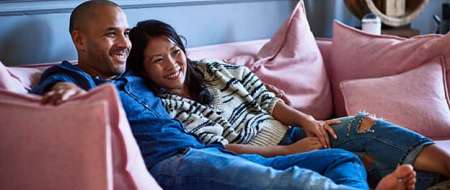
(105, 43)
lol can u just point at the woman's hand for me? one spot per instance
(278, 92)
(313, 128)
(321, 130)
(61, 92)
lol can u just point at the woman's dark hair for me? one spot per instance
(146, 30)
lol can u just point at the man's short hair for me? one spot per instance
(80, 13)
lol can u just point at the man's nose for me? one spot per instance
(124, 41)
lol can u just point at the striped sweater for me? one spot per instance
(240, 111)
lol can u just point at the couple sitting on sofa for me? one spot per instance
(234, 132)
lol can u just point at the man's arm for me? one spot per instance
(58, 84)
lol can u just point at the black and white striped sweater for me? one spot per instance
(239, 113)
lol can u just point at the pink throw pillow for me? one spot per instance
(46, 147)
(416, 99)
(129, 170)
(28, 76)
(291, 61)
(9, 82)
(357, 55)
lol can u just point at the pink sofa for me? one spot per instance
(29, 74)
(18, 79)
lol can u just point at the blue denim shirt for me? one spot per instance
(157, 134)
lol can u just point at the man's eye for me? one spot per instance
(127, 33)
(110, 34)
(157, 60)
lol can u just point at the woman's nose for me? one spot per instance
(171, 62)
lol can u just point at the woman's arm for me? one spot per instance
(303, 145)
(278, 93)
(290, 116)
(267, 151)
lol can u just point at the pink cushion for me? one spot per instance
(356, 55)
(28, 76)
(9, 82)
(416, 99)
(129, 171)
(291, 61)
(49, 149)
(227, 50)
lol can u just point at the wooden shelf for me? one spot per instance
(403, 31)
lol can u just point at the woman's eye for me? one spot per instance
(176, 52)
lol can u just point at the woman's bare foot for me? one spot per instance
(403, 178)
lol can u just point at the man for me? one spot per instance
(177, 160)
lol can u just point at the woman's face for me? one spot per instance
(165, 64)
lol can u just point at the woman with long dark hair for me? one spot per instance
(227, 104)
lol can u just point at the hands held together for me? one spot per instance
(318, 134)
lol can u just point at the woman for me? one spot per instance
(221, 103)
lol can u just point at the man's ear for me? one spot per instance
(78, 40)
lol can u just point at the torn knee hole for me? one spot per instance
(366, 124)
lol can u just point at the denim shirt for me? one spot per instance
(157, 134)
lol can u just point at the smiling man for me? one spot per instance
(99, 31)
(101, 39)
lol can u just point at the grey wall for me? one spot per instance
(37, 31)
(321, 14)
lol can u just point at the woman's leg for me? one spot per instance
(427, 158)
(433, 158)
(387, 145)
(382, 146)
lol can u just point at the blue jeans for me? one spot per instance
(388, 144)
(211, 168)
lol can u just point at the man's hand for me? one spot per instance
(61, 92)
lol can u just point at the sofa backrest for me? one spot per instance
(29, 75)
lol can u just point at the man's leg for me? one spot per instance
(343, 167)
(210, 168)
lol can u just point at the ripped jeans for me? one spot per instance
(387, 144)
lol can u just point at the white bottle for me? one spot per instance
(371, 24)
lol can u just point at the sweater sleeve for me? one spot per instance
(251, 84)
(195, 120)
(257, 90)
